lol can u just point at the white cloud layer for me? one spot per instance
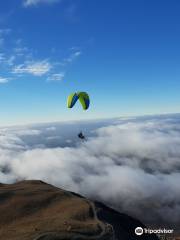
(132, 165)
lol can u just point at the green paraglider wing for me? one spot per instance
(72, 99)
(83, 98)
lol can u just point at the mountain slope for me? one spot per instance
(39, 211)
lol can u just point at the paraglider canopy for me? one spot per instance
(83, 97)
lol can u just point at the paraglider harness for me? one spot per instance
(81, 136)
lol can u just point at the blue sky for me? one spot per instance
(125, 54)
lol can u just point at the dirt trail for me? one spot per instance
(105, 234)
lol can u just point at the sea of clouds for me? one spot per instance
(130, 164)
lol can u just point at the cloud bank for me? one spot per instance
(130, 164)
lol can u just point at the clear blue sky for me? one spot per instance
(124, 53)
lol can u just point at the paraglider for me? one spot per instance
(81, 136)
(84, 99)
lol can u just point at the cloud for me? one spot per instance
(37, 68)
(72, 57)
(5, 31)
(20, 51)
(4, 80)
(29, 3)
(75, 53)
(17, 59)
(7, 60)
(130, 164)
(10, 61)
(56, 77)
(2, 57)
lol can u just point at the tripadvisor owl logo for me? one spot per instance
(139, 231)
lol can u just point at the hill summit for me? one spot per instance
(34, 210)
